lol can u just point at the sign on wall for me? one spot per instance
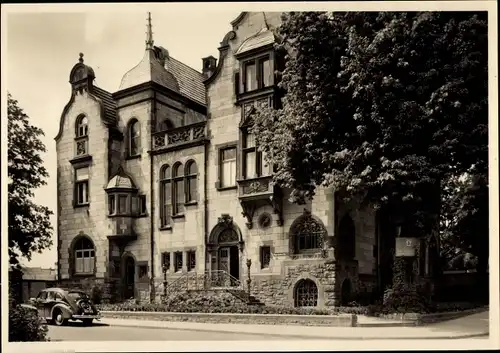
(406, 247)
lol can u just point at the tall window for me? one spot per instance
(191, 173)
(178, 261)
(265, 256)
(308, 234)
(81, 136)
(258, 74)
(228, 167)
(134, 138)
(82, 186)
(178, 189)
(84, 256)
(191, 260)
(165, 195)
(122, 204)
(253, 164)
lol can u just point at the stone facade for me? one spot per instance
(187, 118)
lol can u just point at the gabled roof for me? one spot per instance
(263, 37)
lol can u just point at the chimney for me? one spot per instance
(209, 65)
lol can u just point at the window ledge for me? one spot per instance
(191, 203)
(224, 188)
(82, 159)
(81, 205)
(178, 216)
(135, 156)
(167, 227)
(83, 275)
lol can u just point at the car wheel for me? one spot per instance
(58, 318)
(87, 322)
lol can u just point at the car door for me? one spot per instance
(49, 303)
(40, 303)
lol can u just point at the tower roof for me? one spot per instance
(121, 181)
(150, 68)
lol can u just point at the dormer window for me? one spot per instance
(257, 74)
(81, 135)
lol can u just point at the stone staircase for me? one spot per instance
(243, 296)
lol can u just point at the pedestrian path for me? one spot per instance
(319, 332)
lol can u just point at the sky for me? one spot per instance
(42, 48)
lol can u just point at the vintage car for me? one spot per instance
(57, 305)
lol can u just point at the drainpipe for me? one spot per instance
(152, 293)
(205, 201)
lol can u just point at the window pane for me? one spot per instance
(111, 204)
(142, 205)
(79, 265)
(229, 173)
(229, 154)
(266, 73)
(192, 168)
(135, 205)
(82, 193)
(192, 192)
(122, 204)
(251, 77)
(249, 140)
(82, 174)
(175, 172)
(250, 165)
(179, 196)
(165, 172)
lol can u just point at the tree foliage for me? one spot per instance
(382, 106)
(30, 229)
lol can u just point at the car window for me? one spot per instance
(50, 296)
(59, 296)
(42, 295)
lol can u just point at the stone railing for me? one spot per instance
(180, 135)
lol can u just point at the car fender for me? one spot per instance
(29, 307)
(67, 312)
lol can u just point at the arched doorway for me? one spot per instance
(345, 292)
(224, 246)
(129, 277)
(306, 293)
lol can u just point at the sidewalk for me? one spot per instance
(318, 332)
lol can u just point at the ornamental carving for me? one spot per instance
(159, 141)
(227, 236)
(178, 136)
(225, 220)
(198, 132)
(248, 109)
(255, 187)
(262, 103)
(81, 147)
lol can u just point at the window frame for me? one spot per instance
(77, 249)
(81, 138)
(257, 61)
(176, 263)
(263, 265)
(86, 182)
(165, 205)
(190, 176)
(220, 186)
(177, 181)
(134, 152)
(191, 267)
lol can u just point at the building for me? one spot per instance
(29, 281)
(165, 173)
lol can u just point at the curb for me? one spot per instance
(316, 337)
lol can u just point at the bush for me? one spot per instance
(25, 325)
(405, 299)
(96, 294)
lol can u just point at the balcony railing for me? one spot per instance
(180, 135)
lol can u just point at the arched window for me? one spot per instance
(306, 293)
(307, 234)
(134, 138)
(178, 189)
(191, 173)
(165, 195)
(82, 128)
(347, 238)
(81, 135)
(84, 256)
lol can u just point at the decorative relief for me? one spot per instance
(179, 135)
(159, 141)
(265, 220)
(255, 187)
(198, 132)
(226, 220)
(262, 103)
(81, 147)
(228, 236)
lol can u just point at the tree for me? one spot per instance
(30, 229)
(382, 106)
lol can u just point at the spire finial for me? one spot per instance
(81, 58)
(149, 33)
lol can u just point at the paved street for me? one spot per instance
(103, 332)
(146, 330)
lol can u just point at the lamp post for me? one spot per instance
(165, 281)
(249, 280)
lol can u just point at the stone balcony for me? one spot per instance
(257, 192)
(122, 229)
(180, 138)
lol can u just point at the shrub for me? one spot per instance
(96, 294)
(24, 324)
(405, 299)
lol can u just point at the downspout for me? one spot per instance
(152, 294)
(205, 201)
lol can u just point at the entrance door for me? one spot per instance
(129, 279)
(234, 264)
